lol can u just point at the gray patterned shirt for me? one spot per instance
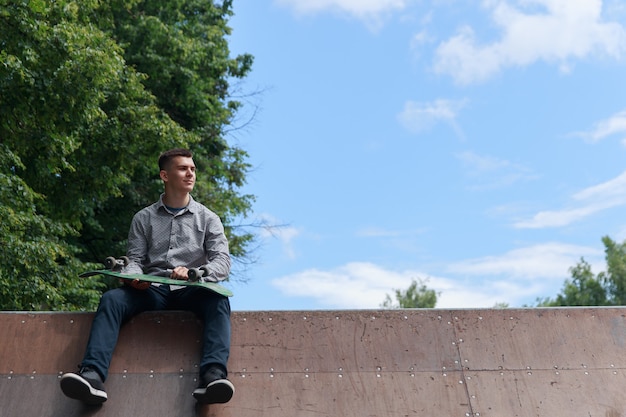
(160, 240)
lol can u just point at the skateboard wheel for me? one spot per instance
(194, 274)
(110, 262)
(125, 260)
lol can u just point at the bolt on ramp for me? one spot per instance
(452, 363)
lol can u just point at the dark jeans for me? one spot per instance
(120, 304)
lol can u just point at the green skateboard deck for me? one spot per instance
(211, 286)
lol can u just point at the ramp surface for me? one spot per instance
(451, 363)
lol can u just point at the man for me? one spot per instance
(167, 238)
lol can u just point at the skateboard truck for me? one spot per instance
(195, 274)
(116, 264)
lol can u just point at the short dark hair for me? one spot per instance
(167, 156)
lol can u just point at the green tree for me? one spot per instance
(586, 289)
(36, 263)
(180, 48)
(416, 296)
(614, 278)
(90, 94)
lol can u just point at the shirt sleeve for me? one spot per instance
(137, 248)
(218, 256)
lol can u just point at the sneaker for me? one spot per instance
(214, 388)
(86, 386)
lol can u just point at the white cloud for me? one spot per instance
(614, 125)
(489, 172)
(514, 277)
(541, 261)
(559, 218)
(372, 12)
(419, 117)
(479, 164)
(522, 275)
(614, 188)
(587, 202)
(564, 30)
(354, 285)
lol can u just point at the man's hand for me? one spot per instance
(136, 284)
(181, 273)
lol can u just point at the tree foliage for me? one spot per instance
(90, 93)
(607, 288)
(418, 295)
(35, 260)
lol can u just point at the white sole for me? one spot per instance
(76, 387)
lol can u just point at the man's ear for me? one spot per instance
(163, 175)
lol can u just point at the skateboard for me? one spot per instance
(113, 266)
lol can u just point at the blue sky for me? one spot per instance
(476, 145)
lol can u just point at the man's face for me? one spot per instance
(180, 176)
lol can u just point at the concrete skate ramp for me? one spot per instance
(439, 363)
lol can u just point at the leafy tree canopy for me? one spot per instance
(607, 288)
(90, 93)
(418, 295)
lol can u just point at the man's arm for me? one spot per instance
(218, 255)
(137, 248)
(133, 252)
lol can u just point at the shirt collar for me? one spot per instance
(191, 206)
